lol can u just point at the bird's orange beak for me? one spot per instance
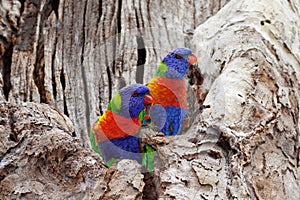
(193, 60)
(148, 99)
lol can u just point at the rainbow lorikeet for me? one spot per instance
(115, 134)
(168, 88)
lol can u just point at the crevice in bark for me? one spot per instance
(54, 87)
(63, 84)
(73, 134)
(113, 68)
(21, 9)
(7, 60)
(117, 36)
(39, 70)
(149, 191)
(100, 97)
(149, 19)
(109, 79)
(4, 42)
(141, 54)
(109, 82)
(119, 27)
(141, 60)
(19, 143)
(99, 15)
(100, 11)
(224, 143)
(84, 78)
(55, 6)
(12, 120)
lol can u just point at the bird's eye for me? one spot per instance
(178, 56)
(134, 94)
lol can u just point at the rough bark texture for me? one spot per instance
(243, 145)
(249, 55)
(78, 61)
(42, 159)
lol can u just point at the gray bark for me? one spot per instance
(42, 159)
(78, 61)
(244, 144)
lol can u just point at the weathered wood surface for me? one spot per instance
(42, 159)
(249, 55)
(78, 61)
(243, 145)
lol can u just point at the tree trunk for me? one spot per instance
(78, 61)
(244, 144)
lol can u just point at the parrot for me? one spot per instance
(168, 88)
(115, 133)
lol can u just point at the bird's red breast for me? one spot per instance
(111, 125)
(168, 92)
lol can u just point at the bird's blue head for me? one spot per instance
(133, 99)
(177, 62)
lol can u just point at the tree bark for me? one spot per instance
(76, 62)
(244, 144)
(42, 159)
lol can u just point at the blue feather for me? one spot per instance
(177, 62)
(169, 120)
(132, 105)
(122, 148)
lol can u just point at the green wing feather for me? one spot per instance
(162, 69)
(95, 146)
(148, 157)
(110, 162)
(143, 116)
(115, 103)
